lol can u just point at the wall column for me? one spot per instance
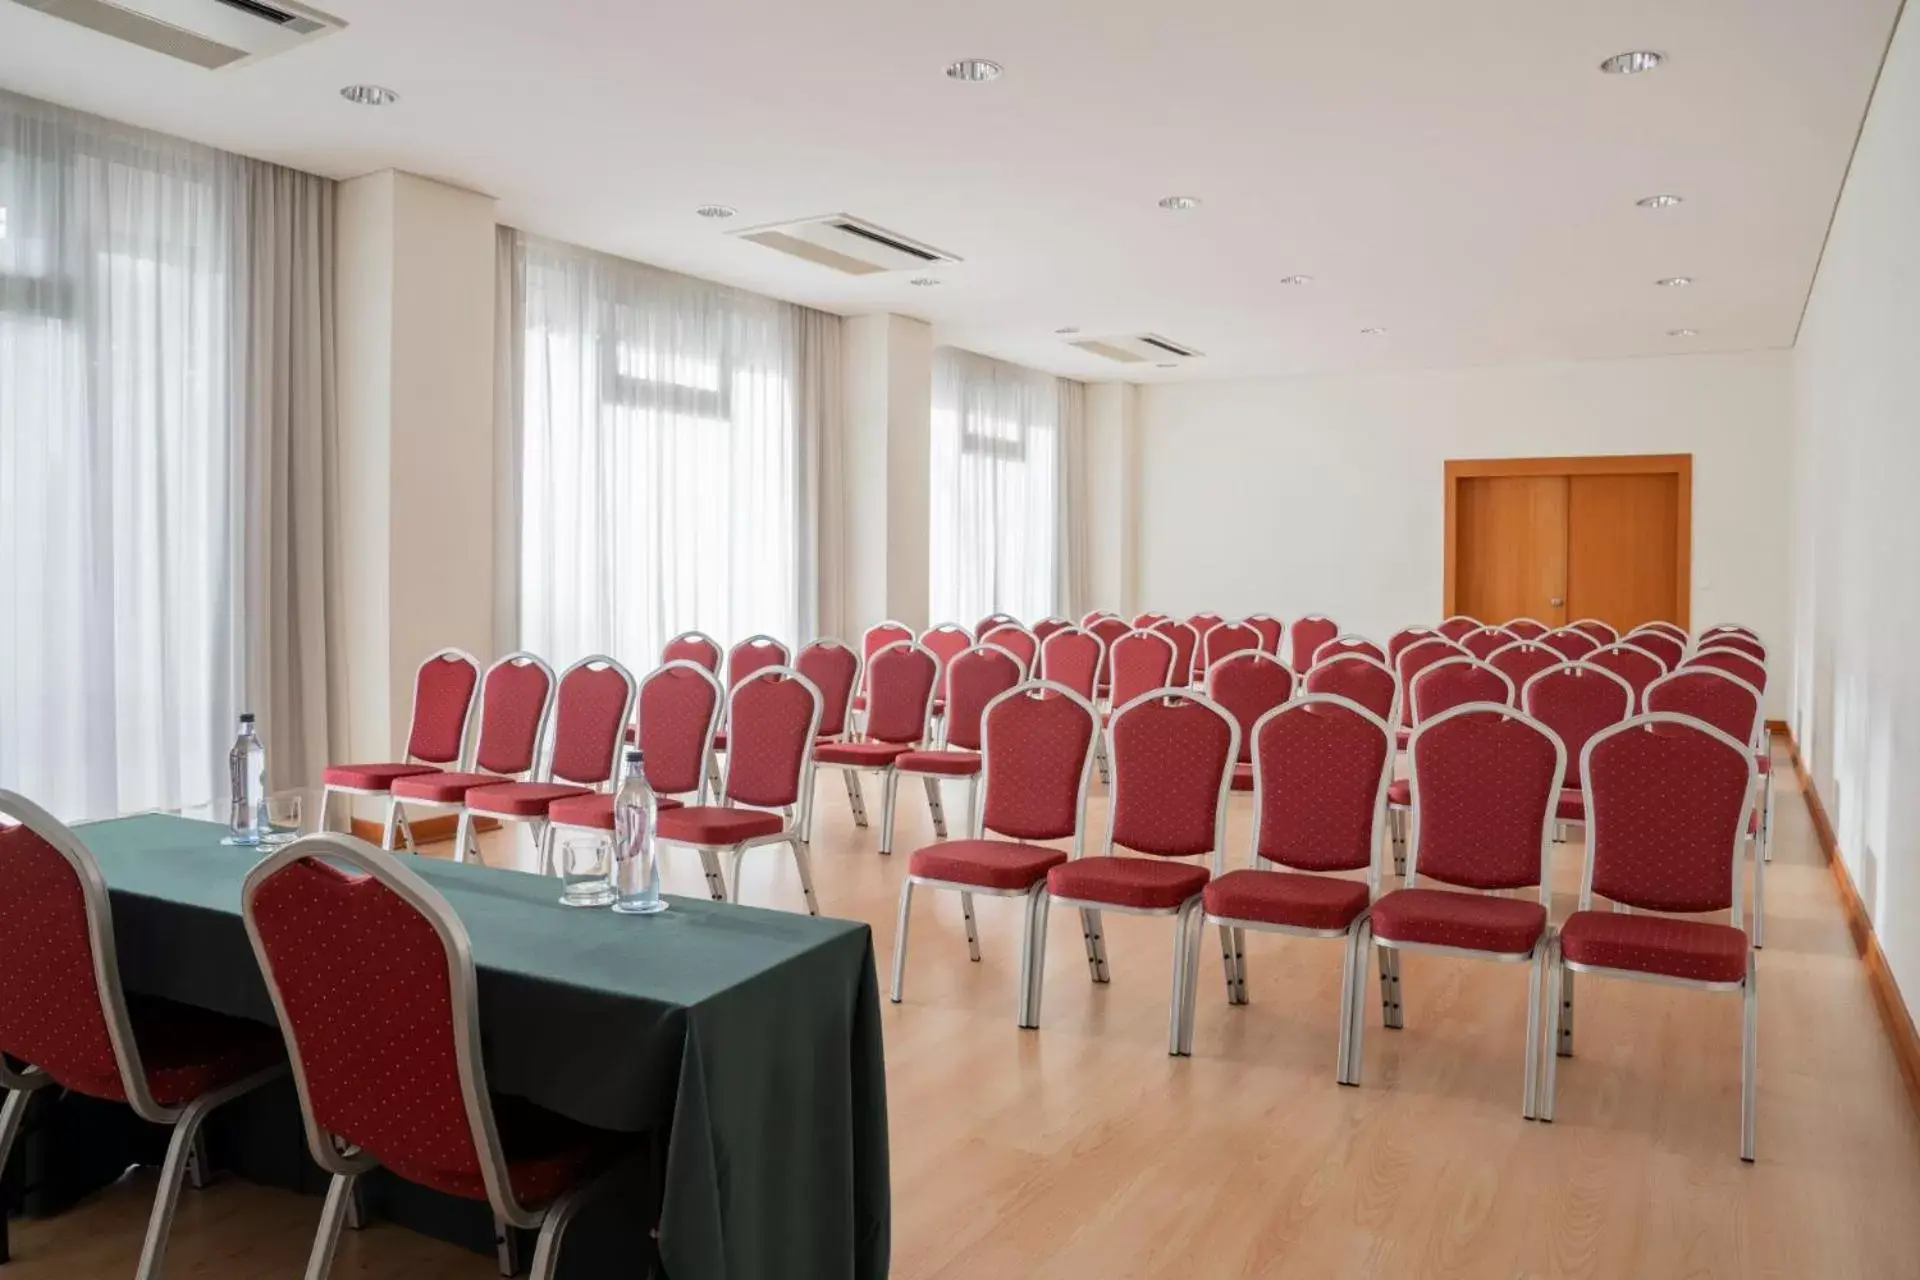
(888, 368)
(1113, 498)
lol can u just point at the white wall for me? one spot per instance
(1856, 533)
(887, 376)
(1325, 495)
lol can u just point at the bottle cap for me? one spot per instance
(246, 717)
(633, 755)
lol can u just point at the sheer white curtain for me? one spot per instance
(163, 341)
(1000, 537)
(666, 446)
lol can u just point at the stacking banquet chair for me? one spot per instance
(974, 679)
(1673, 629)
(679, 708)
(696, 647)
(1019, 642)
(1359, 679)
(1669, 799)
(1522, 660)
(1414, 659)
(1307, 636)
(1739, 642)
(1484, 642)
(1434, 689)
(1720, 654)
(1576, 700)
(1037, 758)
(372, 979)
(1485, 784)
(835, 672)
(1732, 661)
(1734, 707)
(1570, 644)
(1661, 643)
(1225, 638)
(1186, 643)
(1601, 632)
(66, 1021)
(1088, 619)
(766, 796)
(1173, 755)
(1248, 684)
(993, 621)
(945, 642)
(1321, 765)
(589, 723)
(1725, 629)
(1404, 639)
(1147, 621)
(1139, 661)
(1631, 663)
(1047, 626)
(1527, 628)
(1348, 643)
(1109, 629)
(444, 690)
(1073, 658)
(873, 640)
(1204, 622)
(1459, 626)
(903, 685)
(755, 653)
(1271, 630)
(516, 706)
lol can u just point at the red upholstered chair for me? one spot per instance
(1673, 629)
(589, 723)
(1226, 638)
(1047, 626)
(1073, 658)
(1037, 758)
(1459, 626)
(1172, 763)
(1109, 629)
(1670, 800)
(766, 796)
(1307, 636)
(1321, 765)
(873, 640)
(1527, 628)
(1484, 642)
(945, 642)
(1140, 661)
(1631, 663)
(1600, 631)
(1737, 642)
(1485, 783)
(1088, 619)
(65, 1021)
(1576, 700)
(1248, 684)
(444, 690)
(1570, 644)
(372, 977)
(1522, 660)
(1204, 622)
(1722, 649)
(516, 705)
(1148, 621)
(1350, 643)
(975, 678)
(1414, 659)
(1358, 678)
(1271, 630)
(903, 684)
(755, 653)
(1186, 646)
(835, 672)
(696, 647)
(1019, 642)
(993, 621)
(1662, 644)
(1725, 629)
(1732, 661)
(1404, 639)
(1434, 689)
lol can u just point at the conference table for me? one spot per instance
(741, 1047)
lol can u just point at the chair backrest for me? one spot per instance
(1172, 755)
(993, 621)
(1186, 645)
(1710, 695)
(1527, 628)
(1088, 619)
(1350, 643)
(680, 704)
(902, 682)
(1204, 622)
(1577, 700)
(1073, 658)
(1737, 641)
(1037, 744)
(1458, 626)
(1722, 629)
(1484, 642)
(1673, 629)
(1668, 802)
(1405, 638)
(445, 689)
(1601, 632)
(590, 722)
(1146, 621)
(1522, 660)
(1109, 629)
(1226, 638)
(1416, 658)
(1019, 642)
(1451, 682)
(945, 642)
(1570, 644)
(516, 701)
(693, 646)
(1271, 630)
(835, 672)
(1248, 684)
(1139, 661)
(372, 979)
(1306, 637)
(1359, 679)
(1321, 765)
(1047, 626)
(1733, 662)
(773, 717)
(877, 637)
(1671, 652)
(755, 653)
(975, 678)
(62, 1010)
(1631, 663)
(1486, 786)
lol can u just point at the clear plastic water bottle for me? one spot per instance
(636, 858)
(247, 777)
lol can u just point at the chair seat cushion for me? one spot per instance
(522, 799)
(1243, 777)
(189, 1052)
(862, 755)
(1691, 949)
(371, 777)
(1400, 792)
(1148, 883)
(948, 764)
(716, 824)
(1572, 805)
(1291, 898)
(546, 1152)
(443, 788)
(595, 809)
(1460, 918)
(991, 864)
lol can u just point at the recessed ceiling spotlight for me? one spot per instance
(1178, 203)
(716, 211)
(974, 70)
(1072, 328)
(1683, 333)
(1674, 282)
(370, 95)
(1633, 62)
(1372, 331)
(924, 282)
(1296, 279)
(1658, 202)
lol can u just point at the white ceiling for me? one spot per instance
(1459, 173)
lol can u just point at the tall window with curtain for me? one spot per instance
(666, 450)
(999, 535)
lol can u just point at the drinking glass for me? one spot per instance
(285, 810)
(586, 869)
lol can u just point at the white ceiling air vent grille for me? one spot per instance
(1136, 348)
(846, 244)
(207, 33)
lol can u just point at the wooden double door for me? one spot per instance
(1560, 539)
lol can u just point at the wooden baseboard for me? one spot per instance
(1894, 1013)
(425, 830)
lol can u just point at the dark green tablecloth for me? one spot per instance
(750, 1038)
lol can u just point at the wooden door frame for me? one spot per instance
(1677, 465)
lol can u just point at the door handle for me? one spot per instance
(1557, 601)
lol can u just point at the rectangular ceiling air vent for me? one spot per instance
(206, 33)
(1136, 348)
(846, 244)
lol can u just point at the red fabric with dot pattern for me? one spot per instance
(595, 809)
(993, 621)
(1185, 644)
(898, 682)
(1602, 633)
(860, 755)
(1484, 642)
(713, 824)
(1737, 642)
(833, 669)
(1576, 704)
(693, 647)
(1523, 661)
(1146, 883)
(1526, 628)
(1358, 681)
(752, 655)
(588, 724)
(1485, 785)
(1405, 638)
(1271, 630)
(1036, 751)
(1570, 644)
(1016, 640)
(945, 642)
(1695, 950)
(1169, 761)
(1226, 638)
(1445, 918)
(512, 705)
(1290, 898)
(442, 697)
(948, 764)
(1073, 659)
(1456, 627)
(1735, 664)
(676, 709)
(1634, 665)
(1320, 769)
(521, 799)
(767, 749)
(1707, 697)
(974, 679)
(1661, 645)
(1666, 812)
(1048, 626)
(371, 777)
(443, 788)
(1416, 658)
(991, 864)
(1452, 683)
(1249, 685)
(1308, 635)
(1140, 662)
(1350, 644)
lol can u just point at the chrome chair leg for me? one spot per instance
(333, 1214)
(1530, 1088)
(506, 1248)
(1391, 1014)
(934, 806)
(166, 1197)
(856, 799)
(463, 837)
(890, 795)
(1096, 944)
(1188, 926)
(1353, 996)
(386, 831)
(1033, 959)
(900, 942)
(1749, 1058)
(973, 934)
(1564, 1046)
(738, 861)
(1557, 976)
(803, 863)
(716, 883)
(199, 1167)
(1760, 857)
